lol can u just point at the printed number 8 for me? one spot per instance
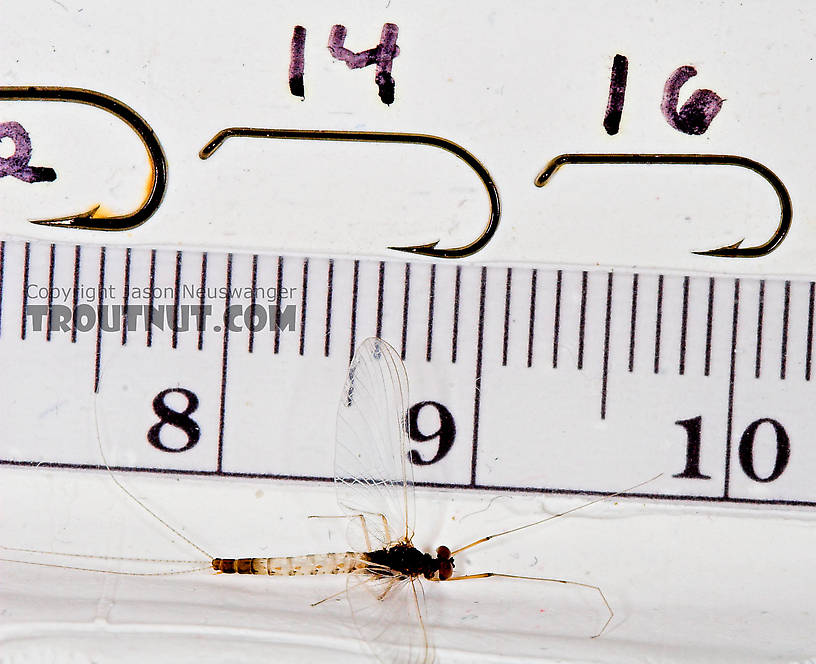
(179, 419)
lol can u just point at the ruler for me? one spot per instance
(533, 379)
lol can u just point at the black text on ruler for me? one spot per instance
(531, 379)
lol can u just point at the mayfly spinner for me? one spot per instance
(374, 482)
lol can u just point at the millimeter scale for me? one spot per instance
(614, 373)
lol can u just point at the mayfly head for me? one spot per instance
(445, 563)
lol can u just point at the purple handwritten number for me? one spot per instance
(695, 116)
(382, 55)
(617, 94)
(296, 59)
(17, 164)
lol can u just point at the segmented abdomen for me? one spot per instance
(315, 563)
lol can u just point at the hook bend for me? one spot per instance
(429, 249)
(91, 219)
(734, 250)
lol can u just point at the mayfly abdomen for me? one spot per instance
(311, 564)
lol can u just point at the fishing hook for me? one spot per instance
(90, 220)
(385, 137)
(728, 251)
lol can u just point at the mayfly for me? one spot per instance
(375, 490)
(374, 481)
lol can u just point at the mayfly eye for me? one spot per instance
(443, 553)
(445, 570)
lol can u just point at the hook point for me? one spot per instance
(728, 251)
(80, 220)
(422, 249)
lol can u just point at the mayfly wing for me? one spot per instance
(388, 613)
(372, 472)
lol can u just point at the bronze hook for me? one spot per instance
(385, 137)
(158, 163)
(728, 251)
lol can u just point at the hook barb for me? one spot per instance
(735, 250)
(91, 219)
(429, 249)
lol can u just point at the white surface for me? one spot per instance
(516, 86)
(686, 584)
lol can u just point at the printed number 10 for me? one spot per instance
(693, 429)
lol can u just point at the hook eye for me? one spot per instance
(91, 219)
(734, 250)
(429, 249)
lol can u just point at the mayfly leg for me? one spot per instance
(487, 538)
(602, 499)
(487, 575)
(363, 523)
(342, 592)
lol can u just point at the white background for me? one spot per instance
(516, 86)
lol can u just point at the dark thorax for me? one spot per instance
(407, 560)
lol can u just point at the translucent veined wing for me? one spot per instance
(389, 614)
(372, 472)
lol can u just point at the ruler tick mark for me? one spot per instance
(607, 331)
(151, 287)
(405, 302)
(279, 286)
(582, 319)
(658, 322)
(783, 355)
(24, 308)
(50, 300)
(202, 301)
(329, 288)
(531, 328)
(304, 291)
(809, 348)
(507, 292)
(760, 317)
(77, 262)
(477, 396)
(732, 373)
(455, 333)
(100, 303)
(556, 319)
(252, 302)
(684, 326)
(633, 323)
(709, 326)
(224, 368)
(176, 301)
(354, 290)
(431, 297)
(126, 297)
(2, 274)
(380, 290)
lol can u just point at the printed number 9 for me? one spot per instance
(446, 432)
